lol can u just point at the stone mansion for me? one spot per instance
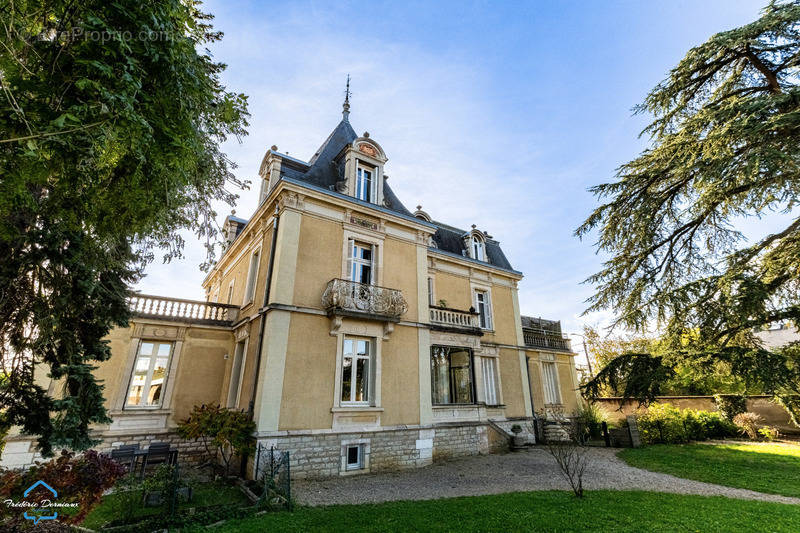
(359, 334)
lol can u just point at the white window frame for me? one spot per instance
(487, 304)
(353, 261)
(370, 374)
(431, 291)
(491, 381)
(149, 376)
(551, 386)
(359, 464)
(253, 267)
(242, 362)
(372, 178)
(477, 248)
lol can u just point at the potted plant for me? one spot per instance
(517, 441)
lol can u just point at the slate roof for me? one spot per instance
(323, 171)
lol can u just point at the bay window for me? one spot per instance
(451, 375)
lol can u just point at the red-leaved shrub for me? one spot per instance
(77, 479)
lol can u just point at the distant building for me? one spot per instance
(779, 335)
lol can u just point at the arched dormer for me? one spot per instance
(419, 213)
(475, 243)
(364, 160)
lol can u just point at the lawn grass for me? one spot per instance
(770, 468)
(552, 511)
(205, 495)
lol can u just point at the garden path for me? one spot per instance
(533, 469)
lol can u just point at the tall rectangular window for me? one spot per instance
(356, 357)
(451, 375)
(252, 276)
(361, 262)
(364, 184)
(489, 370)
(484, 308)
(230, 293)
(237, 368)
(149, 375)
(430, 291)
(550, 382)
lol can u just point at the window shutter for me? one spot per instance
(373, 267)
(350, 259)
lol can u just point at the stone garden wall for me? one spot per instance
(772, 413)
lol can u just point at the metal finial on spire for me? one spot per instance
(346, 105)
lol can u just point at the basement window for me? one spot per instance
(355, 457)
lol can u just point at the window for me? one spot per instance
(149, 374)
(236, 375)
(477, 248)
(356, 356)
(430, 291)
(230, 293)
(252, 276)
(550, 382)
(489, 369)
(355, 457)
(364, 184)
(451, 375)
(361, 262)
(484, 309)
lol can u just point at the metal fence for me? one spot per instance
(274, 476)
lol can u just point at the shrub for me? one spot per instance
(666, 424)
(81, 480)
(662, 423)
(730, 405)
(592, 418)
(769, 433)
(748, 424)
(715, 425)
(223, 432)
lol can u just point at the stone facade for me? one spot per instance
(317, 454)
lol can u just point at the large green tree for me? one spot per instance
(725, 147)
(111, 117)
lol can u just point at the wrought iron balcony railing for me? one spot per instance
(344, 295)
(179, 310)
(541, 338)
(454, 318)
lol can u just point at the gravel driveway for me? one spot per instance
(532, 469)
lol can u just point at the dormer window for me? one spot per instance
(478, 248)
(364, 184)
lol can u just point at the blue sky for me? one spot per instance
(495, 114)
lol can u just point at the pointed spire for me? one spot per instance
(346, 105)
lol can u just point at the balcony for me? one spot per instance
(447, 319)
(178, 310)
(542, 338)
(343, 297)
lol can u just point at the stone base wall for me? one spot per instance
(20, 451)
(323, 454)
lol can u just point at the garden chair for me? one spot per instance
(157, 453)
(126, 456)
